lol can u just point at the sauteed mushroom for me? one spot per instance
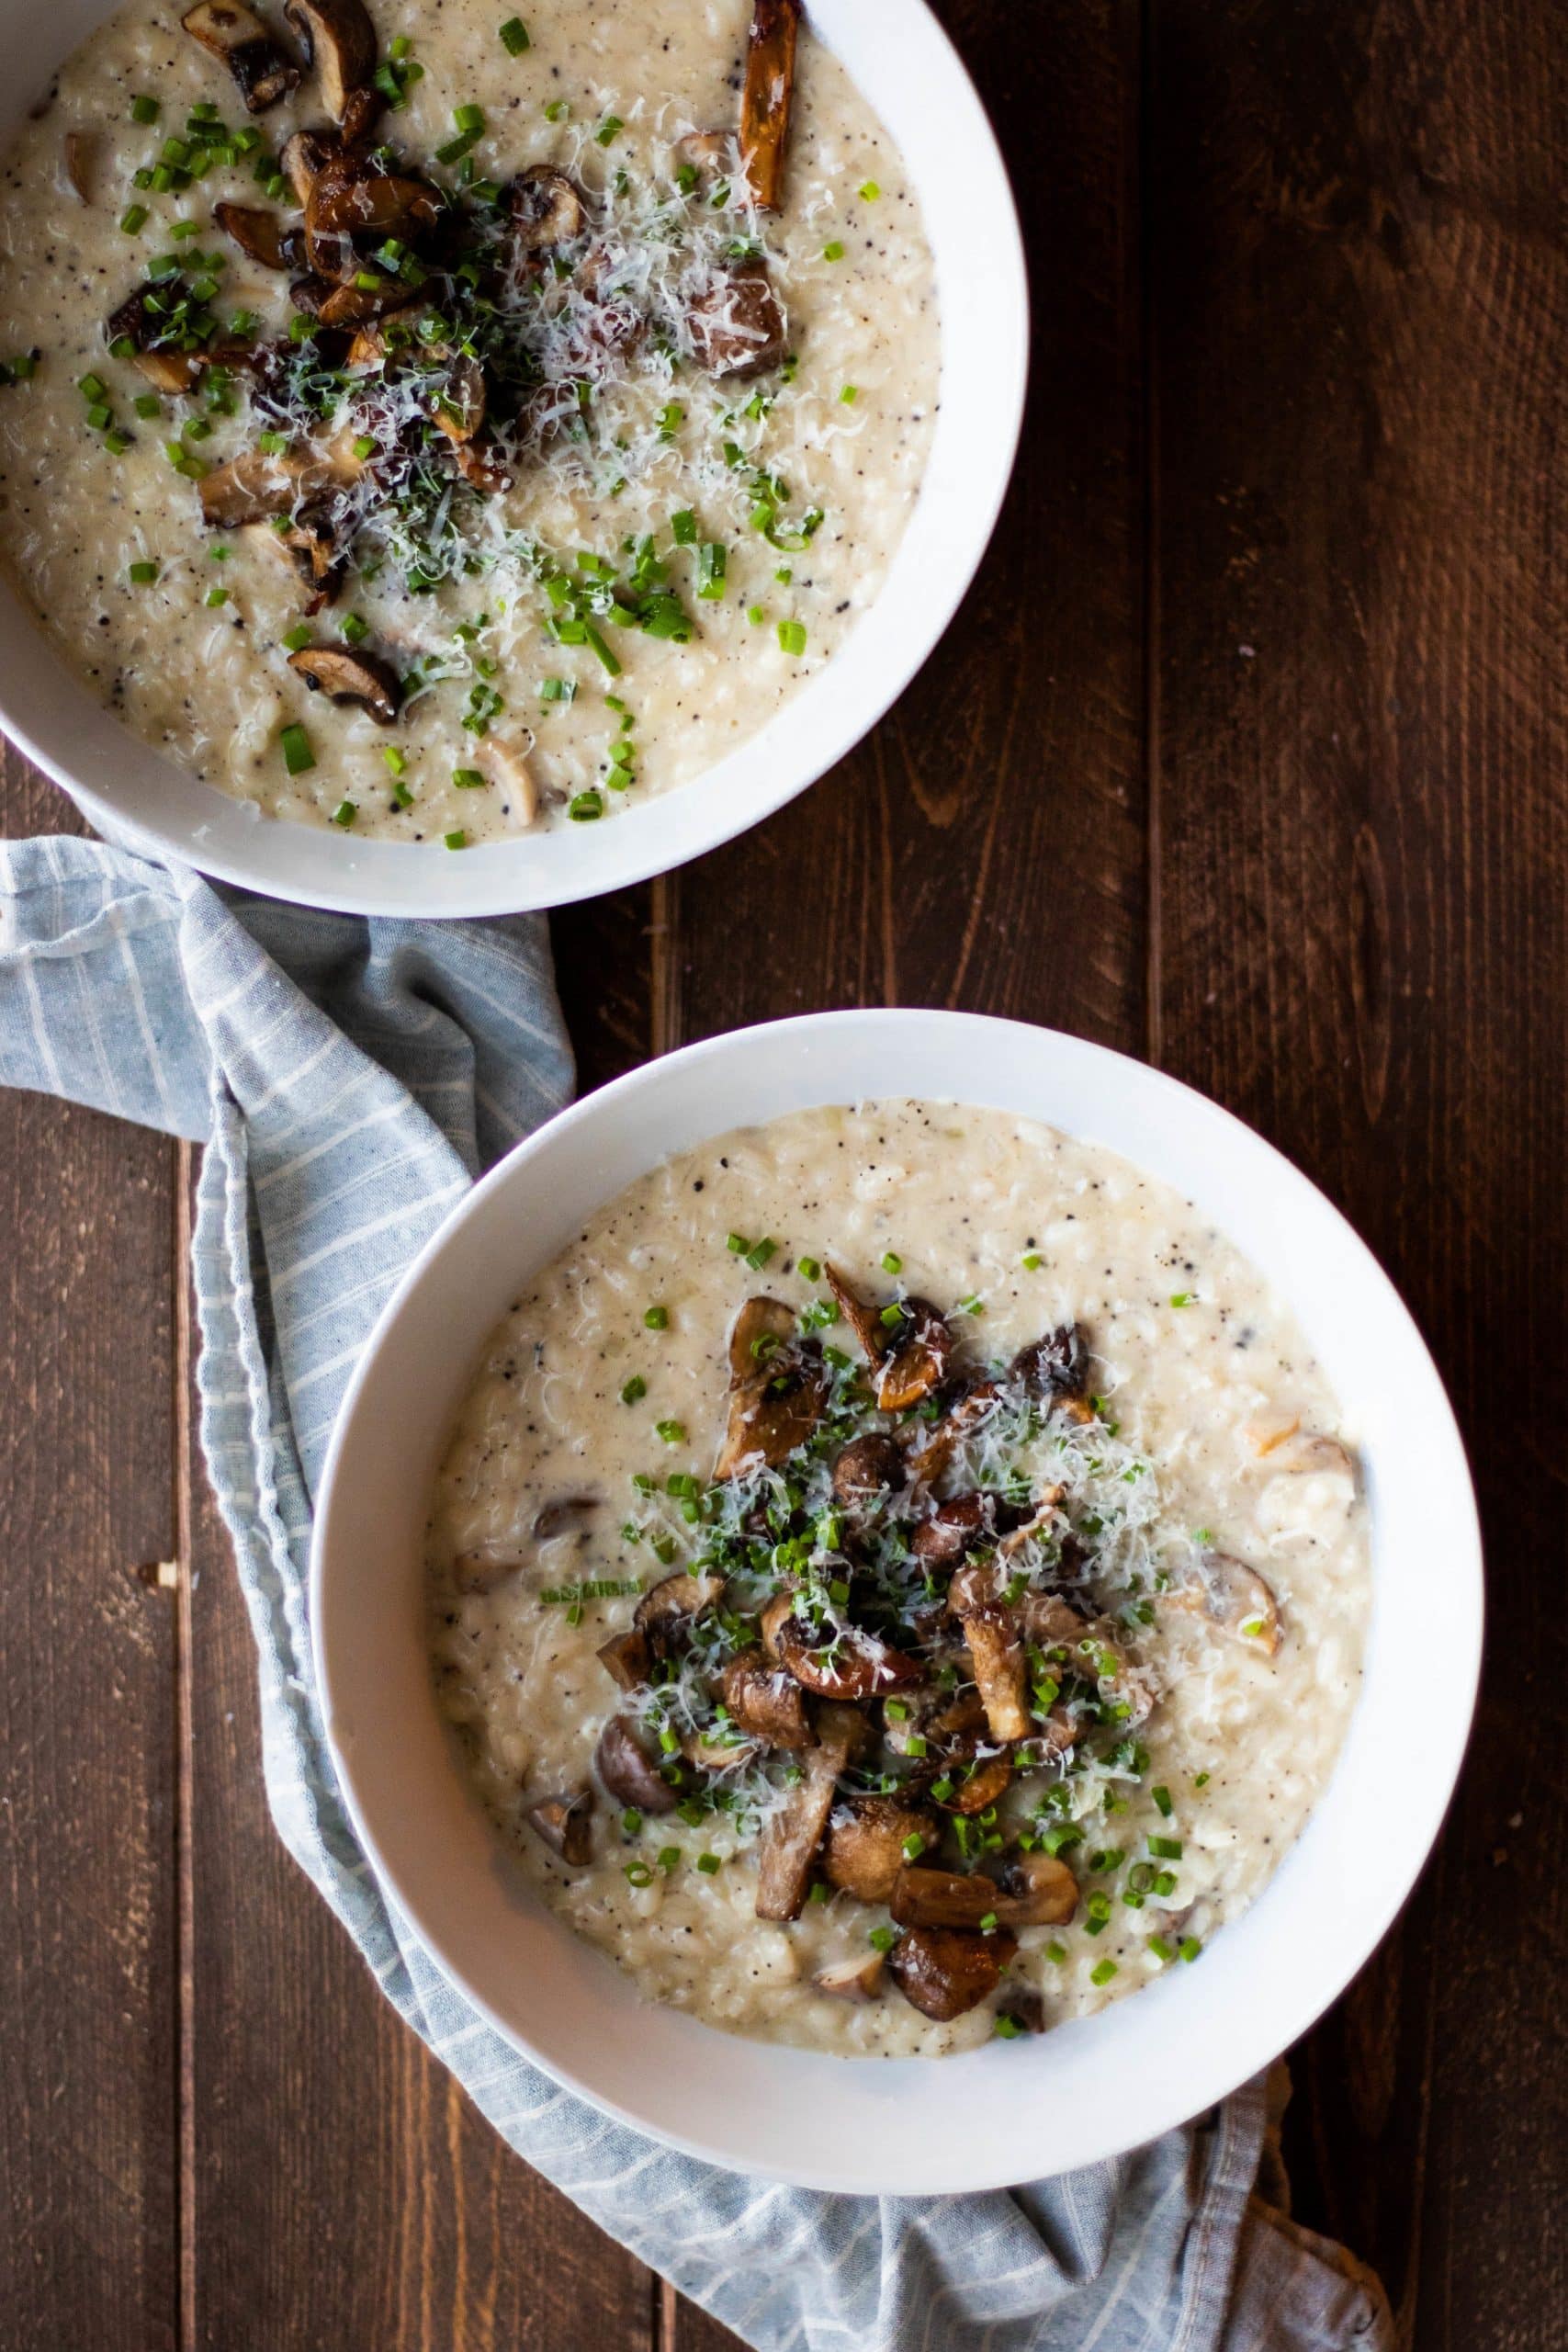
(1237, 1599)
(261, 235)
(777, 1389)
(991, 1631)
(566, 1824)
(942, 1972)
(767, 1703)
(1057, 1367)
(628, 1658)
(921, 1350)
(869, 1840)
(339, 42)
(344, 676)
(1036, 1891)
(867, 1467)
(856, 1666)
(236, 34)
(923, 1897)
(79, 155)
(628, 1773)
(851, 1980)
(765, 96)
(170, 369)
(790, 1841)
(306, 154)
(256, 485)
(545, 209)
(737, 325)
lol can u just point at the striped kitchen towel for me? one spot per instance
(349, 1080)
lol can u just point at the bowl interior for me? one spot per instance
(907, 68)
(1007, 2111)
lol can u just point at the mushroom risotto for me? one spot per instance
(899, 1577)
(456, 423)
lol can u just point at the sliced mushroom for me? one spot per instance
(628, 1658)
(991, 1629)
(960, 1524)
(254, 486)
(718, 1749)
(260, 236)
(737, 324)
(1049, 1621)
(344, 306)
(921, 1350)
(306, 154)
(787, 1850)
(509, 768)
(1039, 1523)
(339, 42)
(973, 1407)
(867, 1467)
(861, 1317)
(170, 369)
(567, 1510)
(982, 1783)
(349, 198)
(768, 1704)
(777, 1389)
(1237, 1599)
(942, 1972)
(311, 547)
(384, 338)
(459, 406)
(765, 97)
(669, 1606)
(1036, 1891)
(545, 209)
(1056, 1369)
(80, 156)
(566, 1824)
(345, 676)
(866, 1841)
(628, 1773)
(236, 34)
(855, 1665)
(923, 1897)
(851, 1980)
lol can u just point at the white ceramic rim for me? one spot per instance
(1189, 2036)
(896, 50)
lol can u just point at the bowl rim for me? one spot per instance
(1425, 1806)
(52, 719)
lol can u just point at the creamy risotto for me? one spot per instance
(447, 422)
(899, 1577)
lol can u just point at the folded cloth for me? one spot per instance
(349, 1080)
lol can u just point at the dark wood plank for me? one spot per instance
(87, 1815)
(346, 2192)
(1359, 303)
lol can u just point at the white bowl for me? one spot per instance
(905, 67)
(1009, 2111)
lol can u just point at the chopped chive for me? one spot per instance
(344, 813)
(459, 839)
(1160, 1948)
(891, 1262)
(295, 744)
(672, 1432)
(639, 1873)
(684, 529)
(1055, 1951)
(397, 760)
(607, 129)
(401, 797)
(467, 779)
(792, 636)
(469, 118)
(1006, 2028)
(736, 1244)
(143, 573)
(882, 1939)
(143, 109)
(635, 1388)
(759, 1254)
(216, 596)
(850, 394)
(354, 629)
(1031, 1262)
(711, 566)
(1201, 1782)
(811, 1268)
(833, 252)
(1103, 1974)
(973, 1305)
(133, 217)
(92, 388)
(147, 404)
(117, 442)
(1181, 1297)
(1190, 1947)
(656, 1318)
(756, 616)
(557, 110)
(869, 190)
(584, 808)
(1167, 1849)
(297, 638)
(514, 36)
(708, 1863)
(1162, 1799)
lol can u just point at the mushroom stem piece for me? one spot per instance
(339, 42)
(789, 1843)
(765, 96)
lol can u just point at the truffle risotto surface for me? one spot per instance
(899, 1576)
(483, 461)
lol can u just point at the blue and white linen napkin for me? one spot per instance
(350, 1079)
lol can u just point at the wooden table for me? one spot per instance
(1248, 753)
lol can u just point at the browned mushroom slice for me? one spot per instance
(922, 1349)
(1048, 1621)
(1039, 1523)
(344, 306)
(261, 235)
(672, 1603)
(254, 486)
(981, 1784)
(627, 1656)
(311, 547)
(991, 1629)
(345, 676)
(767, 1703)
(349, 198)
(961, 1523)
(923, 1897)
(762, 1328)
(861, 1317)
(789, 1846)
(765, 96)
(870, 1839)
(384, 338)
(339, 42)
(237, 35)
(133, 321)
(777, 1390)
(306, 154)
(867, 1467)
(855, 1667)
(1056, 1369)
(737, 325)
(1036, 1891)
(480, 470)
(942, 1972)
(851, 1980)
(973, 1407)
(545, 209)
(1237, 1601)
(458, 407)
(566, 1824)
(80, 156)
(628, 1773)
(567, 1510)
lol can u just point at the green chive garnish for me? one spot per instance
(295, 744)
(792, 636)
(514, 36)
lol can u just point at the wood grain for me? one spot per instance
(88, 1997)
(1361, 302)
